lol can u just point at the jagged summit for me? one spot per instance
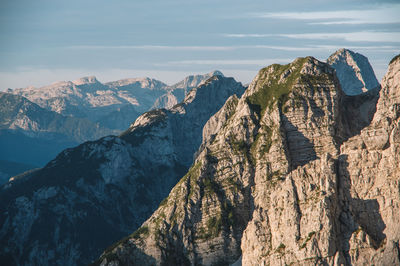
(354, 71)
(193, 81)
(145, 82)
(203, 93)
(216, 73)
(177, 92)
(85, 80)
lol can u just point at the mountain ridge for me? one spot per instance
(124, 177)
(275, 187)
(125, 99)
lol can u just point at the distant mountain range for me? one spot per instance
(104, 189)
(38, 123)
(114, 105)
(32, 135)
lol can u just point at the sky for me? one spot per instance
(44, 41)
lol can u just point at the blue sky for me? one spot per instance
(44, 41)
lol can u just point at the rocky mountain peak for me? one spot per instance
(272, 84)
(193, 81)
(275, 183)
(143, 82)
(86, 80)
(215, 73)
(281, 123)
(208, 89)
(354, 71)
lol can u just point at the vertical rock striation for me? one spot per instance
(284, 178)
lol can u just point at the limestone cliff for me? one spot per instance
(287, 175)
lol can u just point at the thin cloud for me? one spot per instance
(151, 47)
(194, 48)
(362, 36)
(383, 15)
(250, 62)
(240, 35)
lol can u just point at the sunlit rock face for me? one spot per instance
(283, 178)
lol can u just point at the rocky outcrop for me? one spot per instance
(177, 92)
(283, 178)
(353, 71)
(90, 196)
(370, 170)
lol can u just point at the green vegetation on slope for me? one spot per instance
(276, 87)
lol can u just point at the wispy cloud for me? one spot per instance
(151, 47)
(360, 36)
(190, 48)
(382, 15)
(344, 36)
(249, 62)
(245, 35)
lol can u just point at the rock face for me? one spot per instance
(90, 196)
(353, 71)
(177, 92)
(284, 178)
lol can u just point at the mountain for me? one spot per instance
(178, 91)
(113, 104)
(18, 113)
(283, 178)
(89, 98)
(353, 71)
(30, 134)
(92, 195)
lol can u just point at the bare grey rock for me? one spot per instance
(283, 178)
(354, 71)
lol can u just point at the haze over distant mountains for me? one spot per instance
(113, 105)
(125, 177)
(37, 123)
